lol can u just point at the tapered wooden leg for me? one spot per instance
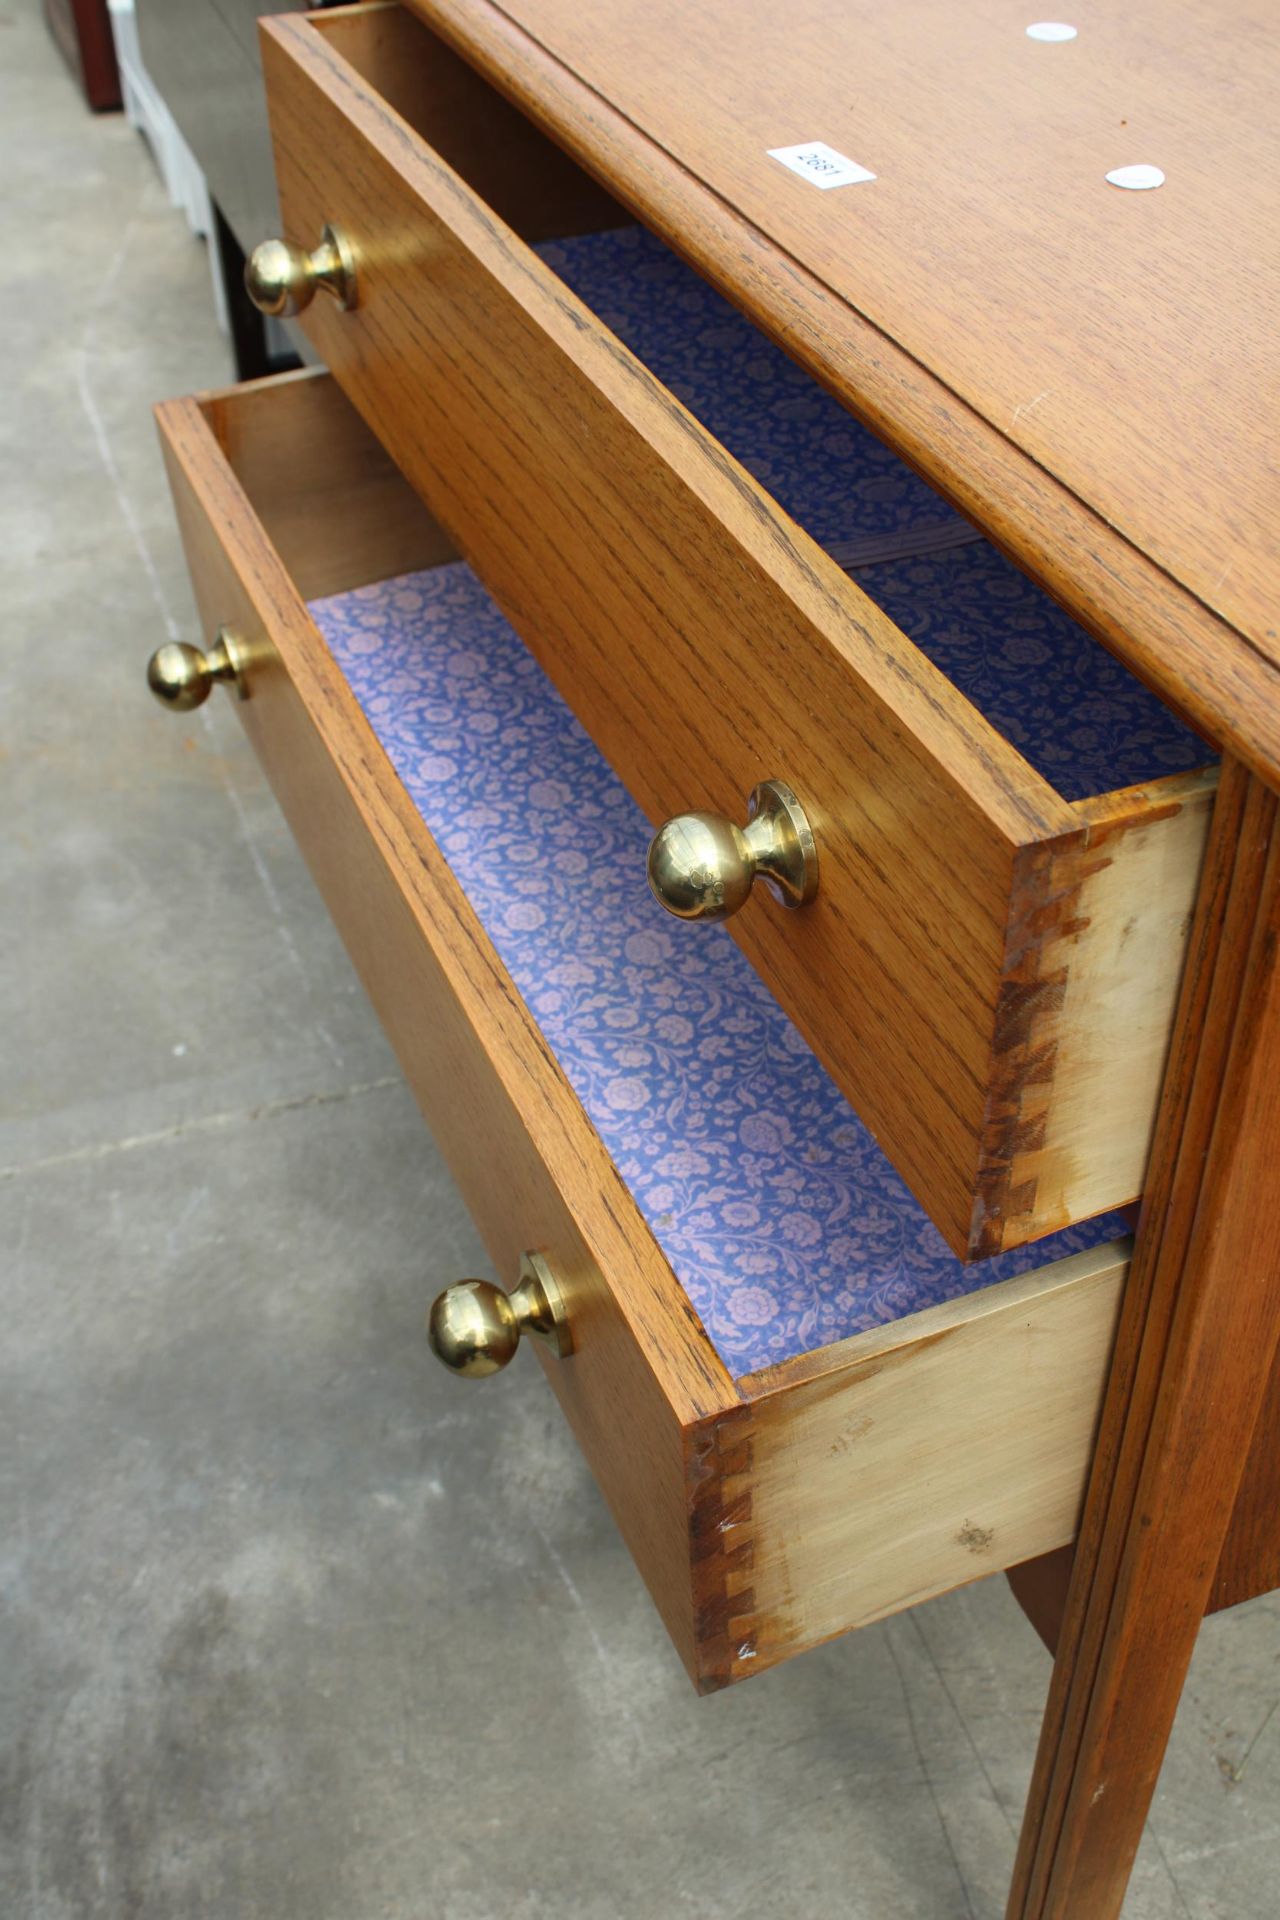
(1194, 1355)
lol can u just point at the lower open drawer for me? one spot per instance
(802, 1409)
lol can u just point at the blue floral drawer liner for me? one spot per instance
(783, 1221)
(1060, 698)
(1081, 719)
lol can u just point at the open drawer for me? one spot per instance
(803, 1410)
(989, 969)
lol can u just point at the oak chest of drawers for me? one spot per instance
(495, 591)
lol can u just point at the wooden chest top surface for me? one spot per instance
(1091, 372)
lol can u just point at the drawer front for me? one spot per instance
(765, 1513)
(704, 641)
(707, 644)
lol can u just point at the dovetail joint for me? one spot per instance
(719, 1469)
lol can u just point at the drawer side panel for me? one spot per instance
(903, 1463)
(1081, 1129)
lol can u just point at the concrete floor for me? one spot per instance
(293, 1625)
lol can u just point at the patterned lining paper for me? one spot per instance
(786, 1226)
(1070, 708)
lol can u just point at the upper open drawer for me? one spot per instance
(989, 967)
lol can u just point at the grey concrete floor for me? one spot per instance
(292, 1624)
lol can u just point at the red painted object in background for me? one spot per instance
(82, 29)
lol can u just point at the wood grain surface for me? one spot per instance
(707, 643)
(1026, 393)
(1194, 1360)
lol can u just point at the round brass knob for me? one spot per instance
(474, 1327)
(703, 867)
(281, 279)
(180, 676)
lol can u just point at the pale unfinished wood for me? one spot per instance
(1054, 516)
(643, 567)
(916, 1458)
(1119, 957)
(667, 1433)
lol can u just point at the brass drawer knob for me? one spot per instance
(474, 1327)
(280, 278)
(702, 866)
(180, 676)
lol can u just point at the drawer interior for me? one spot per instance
(784, 1223)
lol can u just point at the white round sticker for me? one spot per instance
(1052, 30)
(1136, 178)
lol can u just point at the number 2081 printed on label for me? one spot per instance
(820, 164)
